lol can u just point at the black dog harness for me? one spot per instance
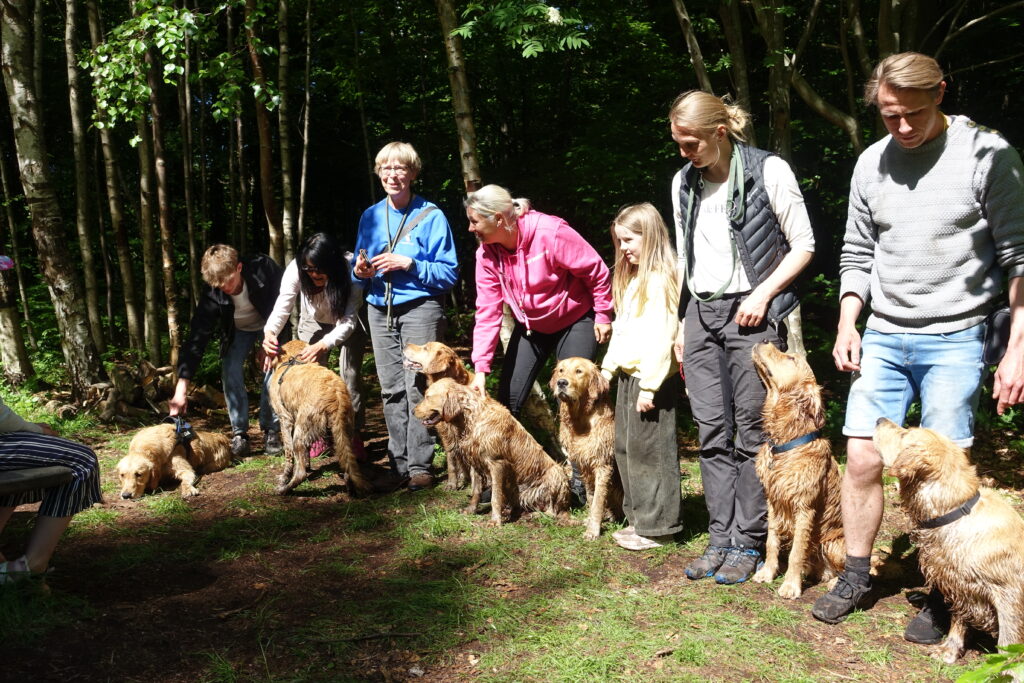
(289, 364)
(950, 517)
(182, 432)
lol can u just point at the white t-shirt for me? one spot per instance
(247, 318)
(316, 307)
(712, 244)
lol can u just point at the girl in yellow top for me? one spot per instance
(645, 288)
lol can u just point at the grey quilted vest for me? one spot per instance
(759, 239)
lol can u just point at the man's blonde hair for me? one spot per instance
(904, 71)
(402, 152)
(219, 263)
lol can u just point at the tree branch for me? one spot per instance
(830, 113)
(696, 58)
(952, 35)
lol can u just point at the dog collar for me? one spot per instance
(798, 441)
(950, 517)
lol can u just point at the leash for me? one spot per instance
(950, 517)
(794, 443)
(289, 364)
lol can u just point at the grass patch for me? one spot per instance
(170, 507)
(29, 612)
(91, 519)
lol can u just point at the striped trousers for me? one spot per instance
(27, 450)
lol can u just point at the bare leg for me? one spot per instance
(43, 541)
(861, 496)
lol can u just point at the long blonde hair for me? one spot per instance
(657, 258)
(703, 112)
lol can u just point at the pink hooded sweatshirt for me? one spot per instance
(552, 279)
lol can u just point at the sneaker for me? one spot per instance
(239, 446)
(317, 448)
(623, 533)
(638, 542)
(931, 624)
(707, 564)
(423, 480)
(272, 442)
(838, 603)
(740, 564)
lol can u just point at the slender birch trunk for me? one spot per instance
(284, 134)
(461, 101)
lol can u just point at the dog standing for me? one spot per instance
(156, 453)
(522, 475)
(435, 361)
(312, 402)
(587, 434)
(968, 537)
(800, 476)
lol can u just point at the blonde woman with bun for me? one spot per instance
(743, 236)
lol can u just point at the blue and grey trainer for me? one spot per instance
(740, 564)
(707, 564)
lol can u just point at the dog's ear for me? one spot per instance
(451, 407)
(154, 478)
(597, 389)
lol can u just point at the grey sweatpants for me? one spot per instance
(726, 398)
(647, 455)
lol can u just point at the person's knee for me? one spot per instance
(863, 464)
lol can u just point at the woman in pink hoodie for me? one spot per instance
(556, 285)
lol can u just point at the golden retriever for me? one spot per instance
(312, 402)
(522, 475)
(587, 435)
(976, 560)
(801, 480)
(155, 454)
(436, 361)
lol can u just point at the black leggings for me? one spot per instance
(526, 355)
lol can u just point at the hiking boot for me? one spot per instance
(740, 564)
(931, 624)
(838, 603)
(423, 480)
(239, 446)
(707, 564)
(272, 442)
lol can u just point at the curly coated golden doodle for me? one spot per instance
(155, 454)
(800, 477)
(436, 361)
(523, 477)
(312, 402)
(968, 537)
(587, 434)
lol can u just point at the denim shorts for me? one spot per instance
(943, 370)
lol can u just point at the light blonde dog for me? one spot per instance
(587, 434)
(801, 482)
(312, 402)
(977, 559)
(155, 454)
(435, 361)
(523, 477)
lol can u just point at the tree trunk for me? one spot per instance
(83, 214)
(772, 25)
(163, 210)
(13, 357)
(16, 253)
(151, 272)
(305, 128)
(364, 127)
(461, 102)
(270, 210)
(185, 114)
(284, 135)
(83, 365)
(136, 331)
(696, 58)
(729, 12)
(101, 229)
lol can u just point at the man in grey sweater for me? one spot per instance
(935, 224)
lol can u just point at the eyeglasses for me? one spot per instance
(312, 270)
(394, 170)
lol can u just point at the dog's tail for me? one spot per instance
(343, 429)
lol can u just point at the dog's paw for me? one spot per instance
(765, 574)
(790, 590)
(281, 489)
(947, 654)
(187, 491)
(493, 523)
(451, 485)
(592, 532)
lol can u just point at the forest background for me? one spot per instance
(136, 133)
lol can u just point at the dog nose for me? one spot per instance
(880, 421)
(562, 383)
(126, 495)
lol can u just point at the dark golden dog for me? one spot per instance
(976, 559)
(155, 454)
(312, 403)
(801, 480)
(587, 435)
(436, 361)
(522, 475)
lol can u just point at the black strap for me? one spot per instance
(950, 517)
(799, 441)
(289, 364)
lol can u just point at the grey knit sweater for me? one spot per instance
(932, 231)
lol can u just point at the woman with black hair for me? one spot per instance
(320, 277)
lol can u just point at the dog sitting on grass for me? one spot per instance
(800, 476)
(312, 403)
(156, 453)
